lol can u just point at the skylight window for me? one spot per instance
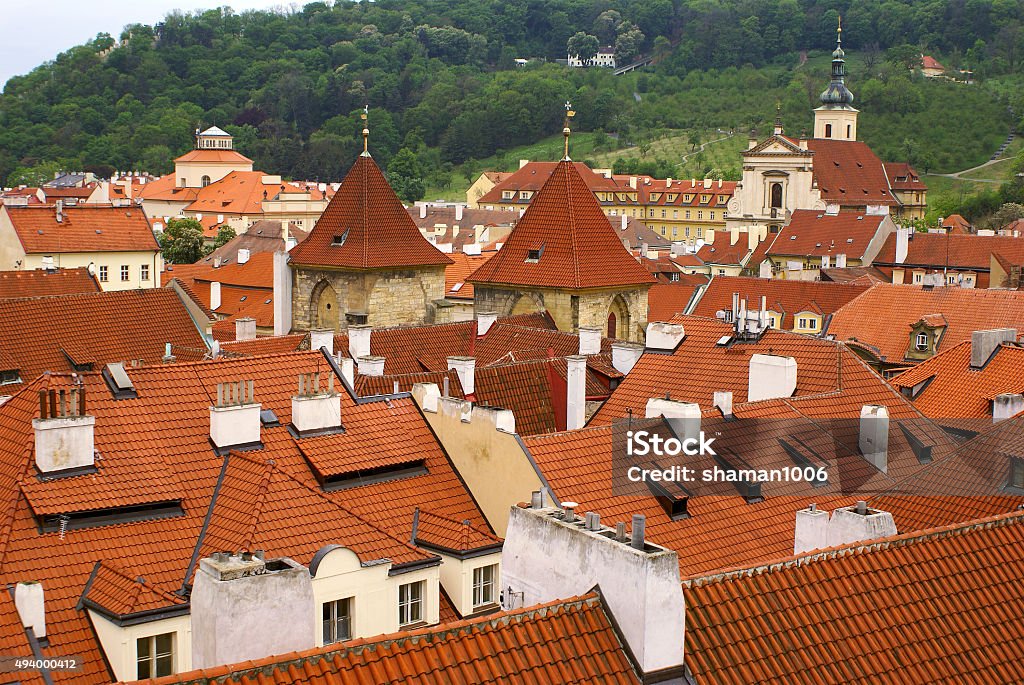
(340, 239)
(533, 256)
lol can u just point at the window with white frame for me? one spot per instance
(124, 272)
(154, 656)
(484, 579)
(922, 341)
(144, 272)
(337, 620)
(410, 603)
(103, 274)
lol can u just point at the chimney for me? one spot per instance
(625, 355)
(30, 603)
(682, 417)
(984, 344)
(59, 207)
(471, 249)
(623, 222)
(243, 255)
(841, 260)
(427, 395)
(315, 409)
(458, 212)
(484, 321)
(677, 249)
(858, 523)
(771, 377)
(359, 341)
(465, 367)
(811, 529)
(576, 397)
(590, 340)
(545, 558)
(64, 434)
(370, 366)
(236, 597)
(215, 296)
(245, 329)
(348, 371)
(235, 418)
(423, 211)
(1006, 405)
(321, 337)
(664, 337)
(723, 402)
(902, 244)
(874, 435)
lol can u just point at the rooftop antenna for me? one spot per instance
(569, 114)
(366, 131)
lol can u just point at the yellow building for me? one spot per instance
(116, 243)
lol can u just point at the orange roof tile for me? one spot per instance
(567, 641)
(903, 177)
(165, 189)
(45, 282)
(570, 240)
(214, 156)
(785, 297)
(241, 193)
(929, 62)
(533, 176)
(84, 228)
(451, 536)
(810, 233)
(456, 286)
(666, 300)
(720, 253)
(365, 226)
(963, 252)
(849, 173)
(887, 337)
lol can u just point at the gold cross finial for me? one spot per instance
(366, 130)
(569, 114)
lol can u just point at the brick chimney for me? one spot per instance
(244, 607)
(664, 337)
(30, 603)
(874, 436)
(576, 394)
(64, 434)
(771, 377)
(235, 418)
(590, 340)
(465, 367)
(625, 356)
(316, 407)
(359, 340)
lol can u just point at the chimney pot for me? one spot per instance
(569, 511)
(639, 526)
(620, 531)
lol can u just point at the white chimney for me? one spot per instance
(465, 367)
(902, 244)
(985, 343)
(857, 523)
(664, 336)
(235, 418)
(236, 598)
(64, 434)
(30, 603)
(623, 222)
(315, 409)
(841, 260)
(625, 356)
(215, 296)
(370, 366)
(472, 249)
(243, 255)
(423, 211)
(683, 417)
(874, 435)
(771, 377)
(359, 341)
(321, 337)
(1007, 405)
(427, 395)
(811, 529)
(484, 321)
(677, 249)
(723, 402)
(458, 212)
(590, 340)
(348, 371)
(576, 397)
(245, 329)
(546, 557)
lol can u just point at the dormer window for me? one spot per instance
(9, 376)
(340, 239)
(533, 256)
(921, 342)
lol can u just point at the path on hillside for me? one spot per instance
(704, 145)
(958, 174)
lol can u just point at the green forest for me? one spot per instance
(444, 88)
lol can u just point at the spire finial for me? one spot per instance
(839, 31)
(366, 130)
(778, 117)
(569, 114)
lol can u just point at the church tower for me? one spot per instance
(836, 119)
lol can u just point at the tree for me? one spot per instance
(583, 46)
(35, 175)
(694, 139)
(225, 234)
(405, 174)
(182, 241)
(606, 26)
(629, 42)
(1009, 212)
(906, 56)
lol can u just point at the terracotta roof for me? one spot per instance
(657, 192)
(564, 240)
(374, 229)
(85, 228)
(456, 287)
(721, 253)
(862, 275)
(953, 250)
(242, 193)
(666, 300)
(214, 156)
(922, 607)
(902, 176)
(785, 297)
(956, 224)
(451, 536)
(567, 641)
(385, 385)
(810, 233)
(44, 282)
(266, 345)
(881, 317)
(929, 62)
(263, 236)
(52, 333)
(165, 189)
(532, 177)
(849, 173)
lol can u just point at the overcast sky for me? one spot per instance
(33, 32)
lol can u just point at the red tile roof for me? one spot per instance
(532, 177)
(956, 224)
(567, 641)
(849, 173)
(44, 282)
(214, 156)
(880, 319)
(721, 253)
(785, 297)
(456, 287)
(810, 233)
(922, 607)
(902, 176)
(165, 189)
(374, 228)
(242, 193)
(964, 252)
(666, 300)
(574, 244)
(85, 228)
(929, 62)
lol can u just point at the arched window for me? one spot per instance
(849, 131)
(612, 326)
(776, 199)
(828, 130)
(205, 181)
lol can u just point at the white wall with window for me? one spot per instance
(472, 583)
(145, 650)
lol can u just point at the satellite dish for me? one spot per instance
(720, 314)
(92, 269)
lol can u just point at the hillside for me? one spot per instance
(441, 81)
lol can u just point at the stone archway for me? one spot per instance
(526, 303)
(619, 324)
(325, 307)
